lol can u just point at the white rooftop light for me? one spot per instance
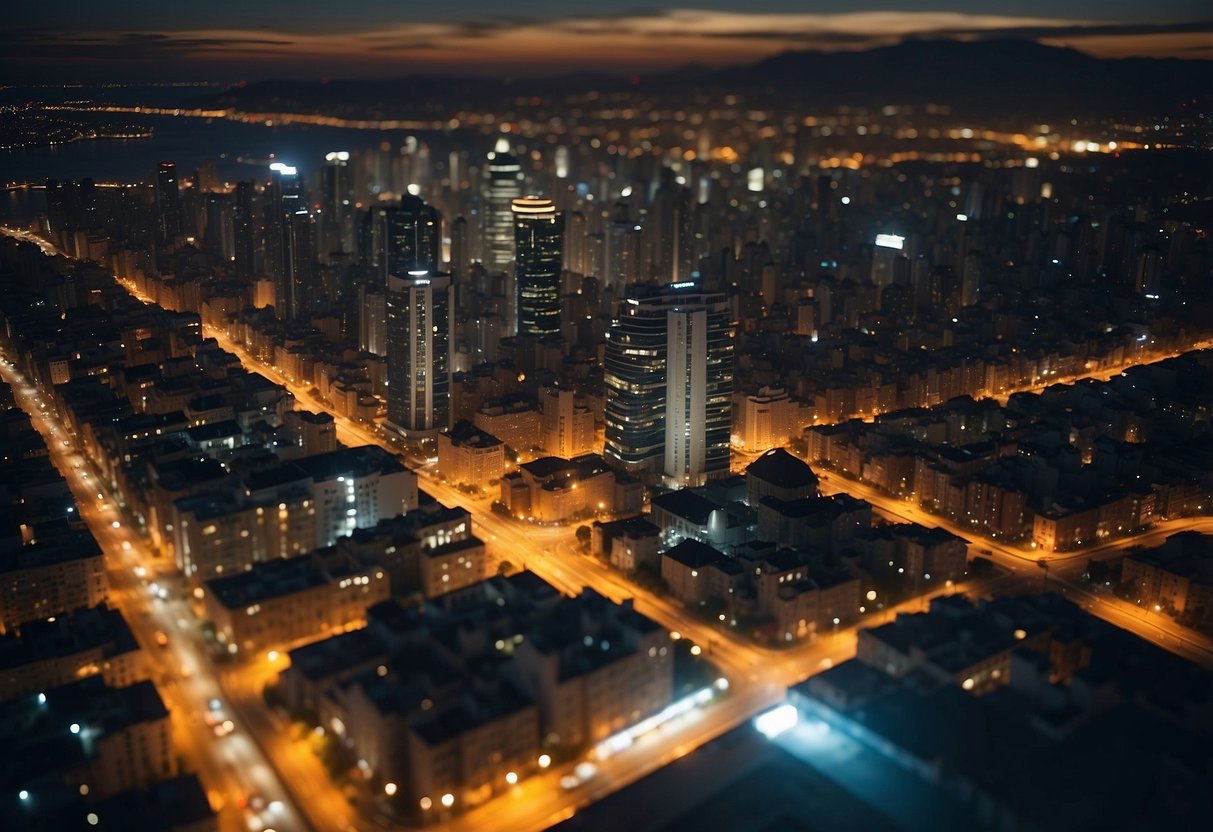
(890, 241)
(777, 720)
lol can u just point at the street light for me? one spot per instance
(448, 800)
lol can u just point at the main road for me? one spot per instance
(232, 768)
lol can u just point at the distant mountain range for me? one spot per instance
(977, 77)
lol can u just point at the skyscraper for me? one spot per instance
(289, 242)
(539, 240)
(403, 238)
(669, 383)
(418, 304)
(699, 388)
(244, 230)
(502, 187)
(418, 351)
(337, 206)
(168, 203)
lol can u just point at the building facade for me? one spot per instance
(669, 384)
(538, 243)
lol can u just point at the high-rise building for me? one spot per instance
(669, 383)
(539, 240)
(461, 265)
(289, 242)
(503, 186)
(337, 205)
(418, 351)
(461, 259)
(622, 266)
(418, 305)
(244, 230)
(398, 239)
(575, 256)
(168, 203)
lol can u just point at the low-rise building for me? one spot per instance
(779, 474)
(111, 740)
(516, 423)
(767, 419)
(628, 544)
(555, 490)
(696, 573)
(283, 601)
(688, 515)
(1177, 576)
(462, 696)
(470, 456)
(58, 569)
(87, 642)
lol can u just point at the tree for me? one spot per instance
(584, 536)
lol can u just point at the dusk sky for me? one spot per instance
(233, 39)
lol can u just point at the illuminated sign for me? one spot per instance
(421, 273)
(337, 156)
(284, 169)
(686, 284)
(890, 241)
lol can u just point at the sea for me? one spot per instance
(239, 150)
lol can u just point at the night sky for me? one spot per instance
(233, 39)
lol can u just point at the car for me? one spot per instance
(161, 638)
(222, 729)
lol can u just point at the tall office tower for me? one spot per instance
(372, 319)
(168, 203)
(622, 267)
(461, 264)
(402, 238)
(889, 263)
(669, 383)
(575, 243)
(503, 186)
(244, 230)
(289, 242)
(219, 233)
(418, 304)
(672, 237)
(418, 351)
(970, 279)
(299, 289)
(539, 240)
(699, 389)
(337, 205)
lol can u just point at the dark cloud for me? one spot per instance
(1034, 32)
(1080, 30)
(127, 46)
(824, 37)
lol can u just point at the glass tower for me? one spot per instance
(539, 243)
(669, 383)
(403, 242)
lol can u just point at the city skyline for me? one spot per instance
(136, 41)
(823, 442)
